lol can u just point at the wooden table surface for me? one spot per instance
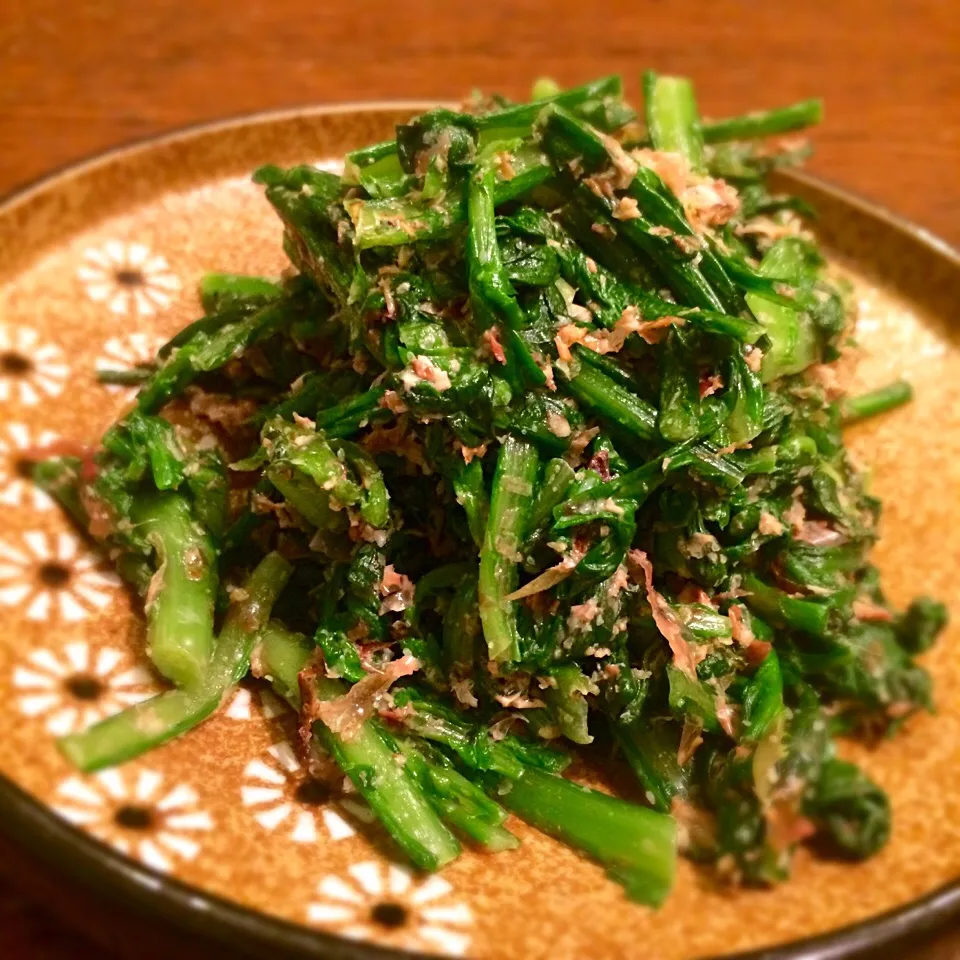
(78, 77)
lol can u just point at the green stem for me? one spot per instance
(764, 123)
(392, 793)
(180, 604)
(125, 378)
(673, 120)
(491, 292)
(459, 802)
(877, 401)
(393, 221)
(381, 162)
(636, 846)
(611, 401)
(566, 138)
(651, 750)
(366, 758)
(461, 628)
(209, 351)
(59, 477)
(349, 416)
(519, 120)
(218, 288)
(783, 610)
(146, 725)
(499, 555)
(558, 475)
(473, 743)
(471, 494)
(544, 88)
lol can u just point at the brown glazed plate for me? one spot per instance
(219, 843)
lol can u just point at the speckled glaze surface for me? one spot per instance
(100, 265)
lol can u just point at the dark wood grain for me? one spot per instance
(77, 78)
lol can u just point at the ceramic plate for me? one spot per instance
(223, 831)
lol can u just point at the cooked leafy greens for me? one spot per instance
(535, 447)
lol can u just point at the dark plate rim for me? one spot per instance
(28, 823)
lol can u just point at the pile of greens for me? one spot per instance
(535, 446)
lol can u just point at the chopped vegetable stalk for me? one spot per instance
(366, 757)
(389, 790)
(636, 846)
(459, 802)
(764, 123)
(877, 401)
(614, 403)
(148, 724)
(543, 88)
(651, 751)
(216, 289)
(500, 553)
(206, 352)
(179, 605)
(490, 290)
(673, 120)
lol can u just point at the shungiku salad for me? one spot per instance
(534, 452)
